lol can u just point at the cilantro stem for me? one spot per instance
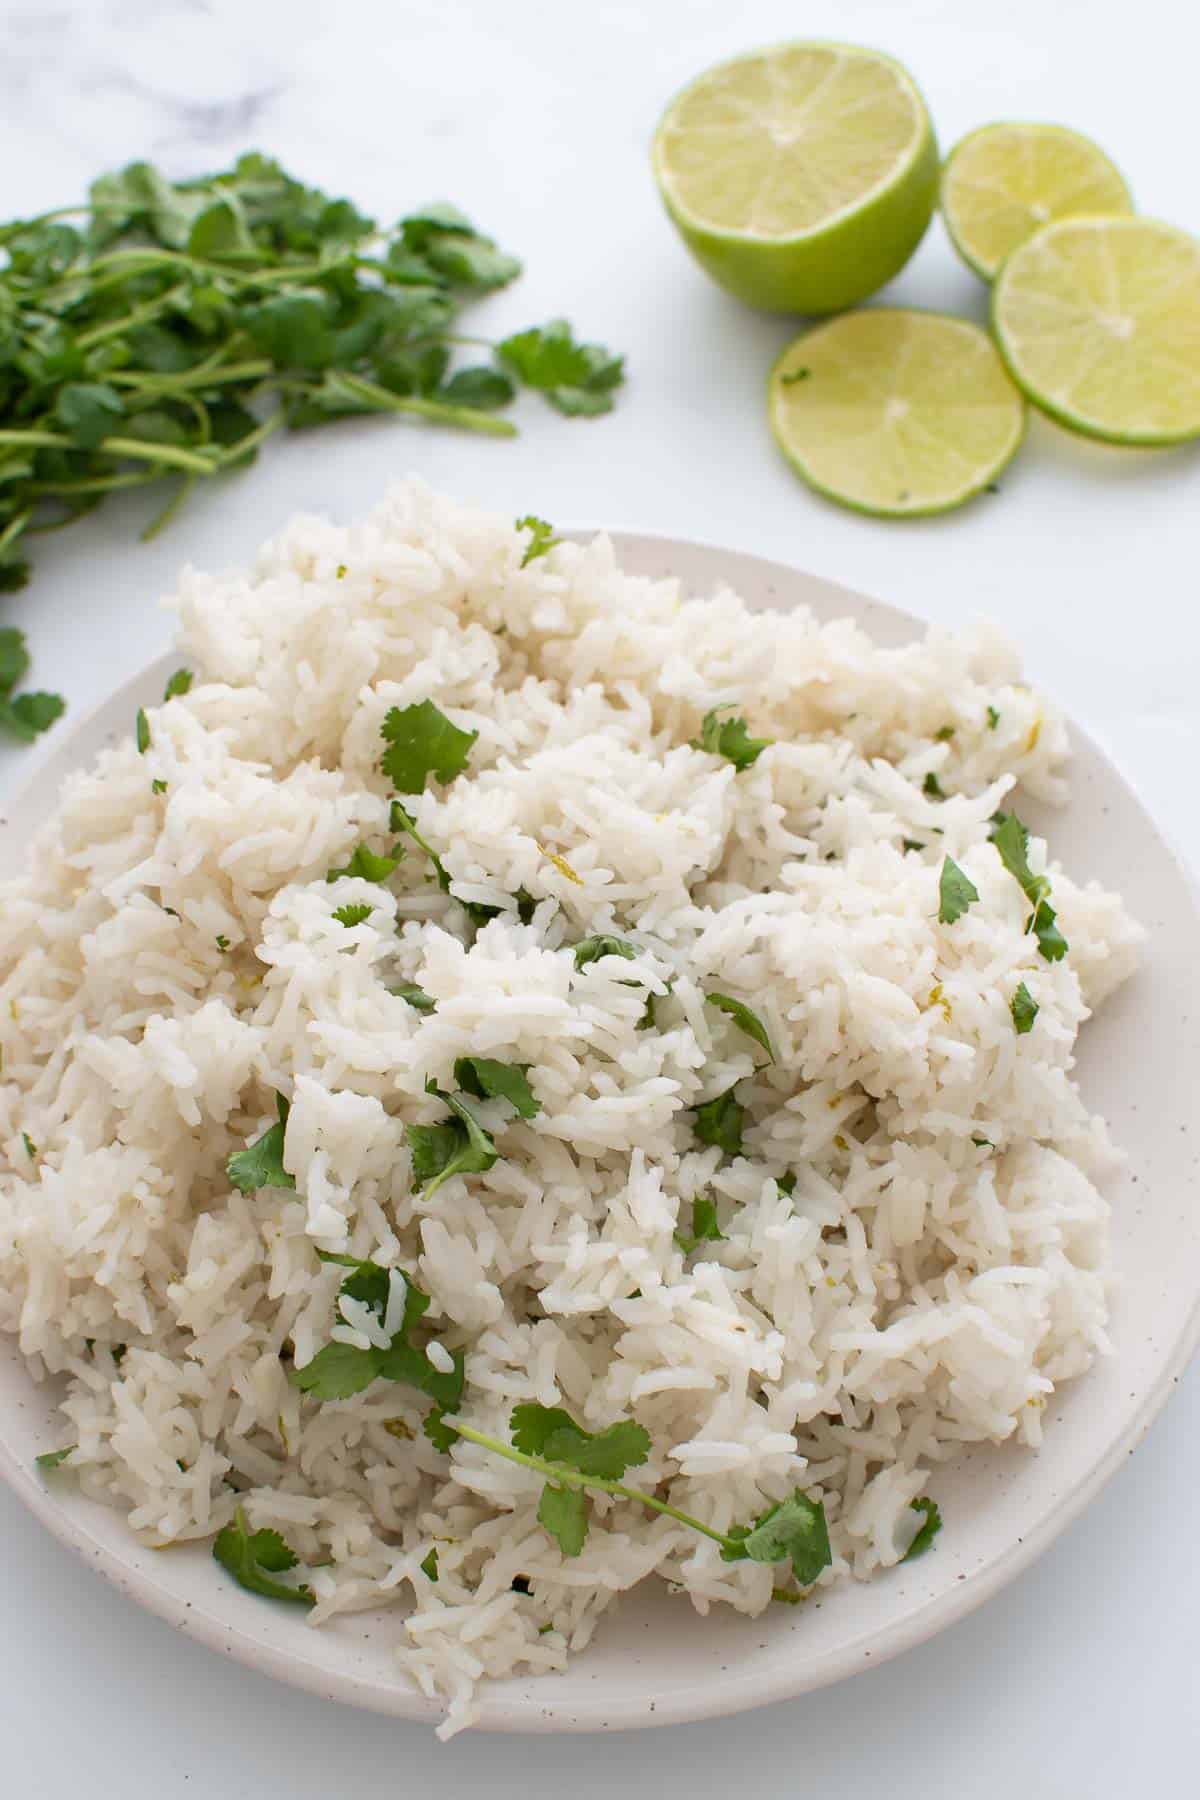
(166, 513)
(210, 373)
(170, 455)
(13, 530)
(469, 417)
(565, 1477)
(137, 315)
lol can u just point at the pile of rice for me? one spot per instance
(940, 1267)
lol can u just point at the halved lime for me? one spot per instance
(802, 177)
(1004, 182)
(895, 412)
(1098, 320)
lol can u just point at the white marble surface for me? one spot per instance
(1081, 1680)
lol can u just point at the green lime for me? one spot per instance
(802, 177)
(1004, 182)
(895, 413)
(1098, 320)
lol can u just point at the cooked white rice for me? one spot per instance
(920, 1288)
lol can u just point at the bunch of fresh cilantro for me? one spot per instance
(159, 333)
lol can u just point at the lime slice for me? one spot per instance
(1004, 182)
(895, 413)
(802, 178)
(1099, 323)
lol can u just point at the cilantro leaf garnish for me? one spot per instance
(367, 866)
(577, 379)
(956, 892)
(1012, 846)
(253, 1557)
(416, 996)
(490, 1080)
(719, 1121)
(911, 844)
(932, 786)
(158, 786)
(548, 1440)
(260, 1164)
(993, 718)
(730, 738)
(222, 942)
(591, 949)
(142, 731)
(1024, 1009)
(928, 1531)
(705, 1229)
(794, 1529)
(402, 820)
(541, 538)
(429, 1565)
(422, 741)
(354, 913)
(744, 1019)
(339, 1370)
(562, 1511)
(53, 1459)
(179, 683)
(31, 1148)
(457, 1146)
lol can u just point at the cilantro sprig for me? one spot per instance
(930, 1526)
(457, 1146)
(254, 1558)
(421, 742)
(161, 336)
(547, 1440)
(719, 1121)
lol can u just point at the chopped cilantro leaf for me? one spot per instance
(253, 1557)
(440, 1435)
(932, 786)
(222, 942)
(1012, 846)
(744, 1019)
(562, 1511)
(489, 1080)
(366, 865)
(541, 538)
(1043, 924)
(982, 1143)
(53, 1459)
(911, 844)
(928, 1531)
(786, 1183)
(180, 683)
(591, 949)
(31, 1149)
(705, 1229)
(944, 735)
(402, 820)
(416, 996)
(719, 1122)
(142, 731)
(457, 1146)
(339, 1370)
(422, 741)
(795, 1528)
(993, 718)
(956, 892)
(428, 1565)
(1024, 1010)
(158, 786)
(260, 1164)
(356, 913)
(730, 738)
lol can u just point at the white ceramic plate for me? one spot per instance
(655, 1662)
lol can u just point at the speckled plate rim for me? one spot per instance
(531, 1704)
